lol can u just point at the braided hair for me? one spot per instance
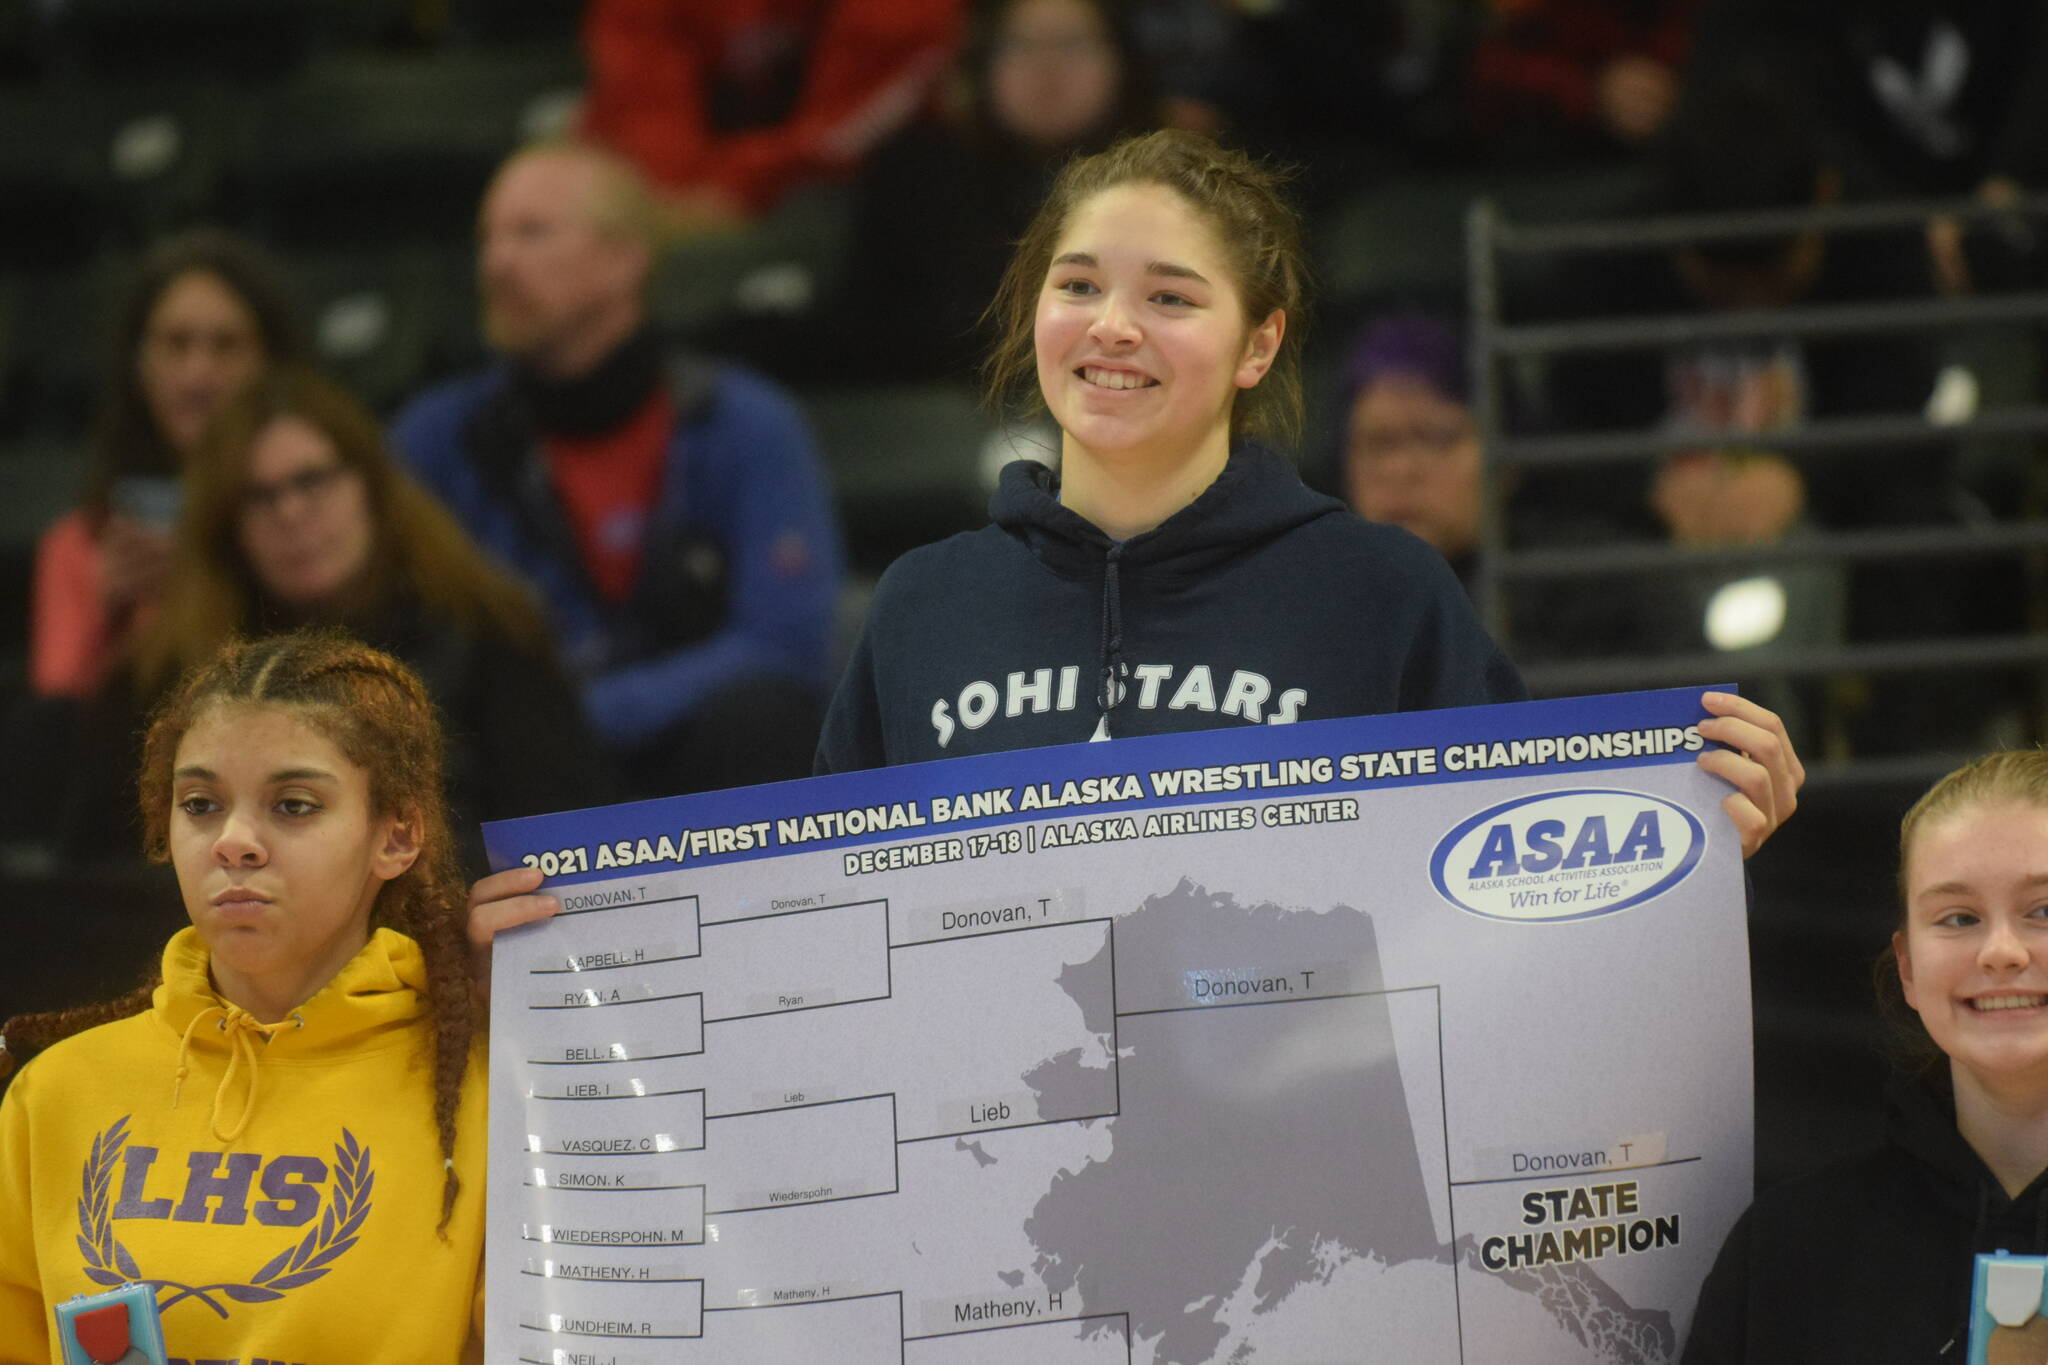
(376, 712)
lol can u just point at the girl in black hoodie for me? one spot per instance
(1869, 1260)
(1167, 570)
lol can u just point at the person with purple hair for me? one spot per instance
(1411, 456)
(1410, 445)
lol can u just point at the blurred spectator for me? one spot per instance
(296, 515)
(1412, 456)
(1342, 87)
(726, 106)
(1411, 446)
(1192, 46)
(1915, 98)
(206, 313)
(1736, 147)
(937, 208)
(669, 509)
(1742, 143)
(1578, 77)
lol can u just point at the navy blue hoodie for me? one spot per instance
(1259, 603)
(1868, 1260)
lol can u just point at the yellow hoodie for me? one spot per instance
(282, 1198)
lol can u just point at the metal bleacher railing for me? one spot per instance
(1495, 244)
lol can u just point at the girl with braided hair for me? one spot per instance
(291, 1117)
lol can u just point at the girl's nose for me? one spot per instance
(238, 845)
(1114, 325)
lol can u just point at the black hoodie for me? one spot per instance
(1867, 1260)
(1260, 602)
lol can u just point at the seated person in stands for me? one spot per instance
(1411, 456)
(295, 515)
(728, 107)
(1579, 77)
(1935, 99)
(1039, 81)
(1737, 147)
(670, 510)
(206, 313)
(1869, 1260)
(1411, 446)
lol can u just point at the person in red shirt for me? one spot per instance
(670, 509)
(728, 106)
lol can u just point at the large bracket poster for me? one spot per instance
(1419, 1038)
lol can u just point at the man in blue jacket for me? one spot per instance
(669, 510)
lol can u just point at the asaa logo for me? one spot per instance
(1567, 855)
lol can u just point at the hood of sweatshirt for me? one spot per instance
(1256, 499)
(1259, 603)
(1920, 1120)
(367, 1007)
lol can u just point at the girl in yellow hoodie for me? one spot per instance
(284, 1136)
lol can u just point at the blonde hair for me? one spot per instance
(620, 204)
(2017, 777)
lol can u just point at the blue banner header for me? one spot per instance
(1308, 759)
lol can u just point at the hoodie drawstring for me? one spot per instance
(1111, 691)
(238, 1024)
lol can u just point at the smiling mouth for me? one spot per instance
(1114, 379)
(1992, 1004)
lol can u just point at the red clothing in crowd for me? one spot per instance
(751, 96)
(607, 483)
(73, 640)
(1551, 52)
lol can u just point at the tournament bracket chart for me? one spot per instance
(1151, 1079)
(650, 1123)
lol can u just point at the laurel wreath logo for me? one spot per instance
(109, 1263)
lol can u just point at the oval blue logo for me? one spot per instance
(1567, 855)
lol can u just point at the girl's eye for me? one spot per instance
(1173, 300)
(297, 805)
(1075, 286)
(196, 806)
(1956, 919)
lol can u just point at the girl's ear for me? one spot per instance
(1260, 348)
(1905, 961)
(398, 846)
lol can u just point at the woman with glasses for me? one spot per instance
(1410, 444)
(295, 515)
(204, 313)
